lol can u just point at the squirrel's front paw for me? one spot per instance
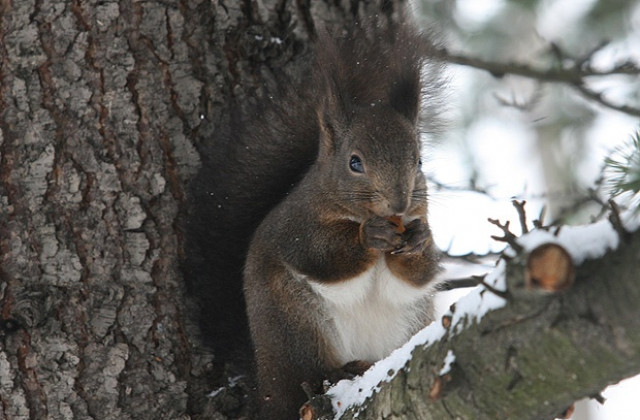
(416, 237)
(381, 234)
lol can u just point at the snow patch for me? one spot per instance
(215, 392)
(581, 242)
(584, 242)
(631, 219)
(448, 361)
(480, 300)
(232, 382)
(349, 393)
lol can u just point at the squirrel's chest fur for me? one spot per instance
(370, 315)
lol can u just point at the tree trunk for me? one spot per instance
(105, 108)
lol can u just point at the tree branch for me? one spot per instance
(572, 72)
(598, 97)
(530, 359)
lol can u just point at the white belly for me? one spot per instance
(372, 314)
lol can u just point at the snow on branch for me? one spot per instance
(525, 343)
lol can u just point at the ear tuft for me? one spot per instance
(326, 131)
(404, 96)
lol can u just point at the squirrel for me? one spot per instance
(321, 261)
(340, 272)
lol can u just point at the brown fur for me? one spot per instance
(332, 226)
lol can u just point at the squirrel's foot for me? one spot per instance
(349, 370)
(356, 367)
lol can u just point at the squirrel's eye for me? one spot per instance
(419, 162)
(355, 164)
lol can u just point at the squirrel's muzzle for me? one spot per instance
(398, 202)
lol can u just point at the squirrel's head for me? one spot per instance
(372, 161)
(370, 91)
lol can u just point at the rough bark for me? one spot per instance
(105, 107)
(529, 360)
(96, 107)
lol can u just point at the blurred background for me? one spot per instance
(525, 131)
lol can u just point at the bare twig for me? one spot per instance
(574, 72)
(472, 257)
(508, 236)
(598, 397)
(472, 281)
(522, 215)
(539, 222)
(598, 97)
(557, 230)
(585, 60)
(461, 283)
(591, 197)
(500, 293)
(616, 221)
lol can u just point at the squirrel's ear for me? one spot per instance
(326, 131)
(332, 114)
(404, 96)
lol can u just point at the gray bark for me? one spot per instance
(97, 102)
(104, 108)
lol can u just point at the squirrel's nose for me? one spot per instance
(399, 202)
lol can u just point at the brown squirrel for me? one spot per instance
(340, 272)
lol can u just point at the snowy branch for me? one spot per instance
(528, 356)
